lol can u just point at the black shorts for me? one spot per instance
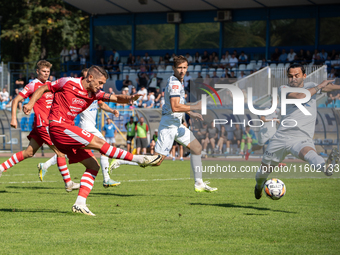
(234, 141)
(141, 142)
(129, 139)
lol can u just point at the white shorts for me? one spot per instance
(167, 135)
(110, 140)
(264, 136)
(279, 148)
(93, 130)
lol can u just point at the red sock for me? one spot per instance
(15, 159)
(86, 182)
(113, 152)
(61, 162)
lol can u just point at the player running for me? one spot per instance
(73, 96)
(88, 122)
(40, 132)
(296, 138)
(171, 127)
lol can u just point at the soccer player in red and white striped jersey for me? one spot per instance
(71, 97)
(40, 131)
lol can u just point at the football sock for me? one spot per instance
(196, 166)
(124, 162)
(113, 152)
(249, 146)
(52, 161)
(104, 164)
(86, 185)
(15, 159)
(242, 146)
(228, 150)
(316, 160)
(61, 162)
(261, 177)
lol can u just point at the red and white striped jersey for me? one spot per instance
(42, 106)
(70, 99)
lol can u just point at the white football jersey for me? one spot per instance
(305, 123)
(89, 116)
(174, 88)
(271, 125)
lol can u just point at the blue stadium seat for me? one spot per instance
(23, 124)
(337, 103)
(322, 105)
(331, 105)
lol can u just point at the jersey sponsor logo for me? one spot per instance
(175, 87)
(24, 91)
(47, 95)
(72, 114)
(78, 101)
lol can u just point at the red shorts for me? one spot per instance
(40, 135)
(70, 139)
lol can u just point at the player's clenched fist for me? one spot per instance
(27, 108)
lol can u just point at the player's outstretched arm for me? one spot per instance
(330, 87)
(35, 97)
(124, 99)
(16, 100)
(106, 108)
(313, 90)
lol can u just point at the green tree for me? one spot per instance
(37, 29)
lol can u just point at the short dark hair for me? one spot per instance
(179, 60)
(97, 70)
(297, 65)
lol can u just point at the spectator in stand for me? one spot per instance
(331, 75)
(215, 78)
(216, 62)
(167, 58)
(275, 55)
(242, 75)
(309, 56)
(187, 79)
(9, 105)
(51, 78)
(283, 56)
(189, 58)
(142, 79)
(233, 62)
(137, 62)
(116, 56)
(223, 140)
(172, 57)
(328, 61)
(197, 58)
(226, 74)
(162, 99)
(110, 63)
(130, 132)
(210, 61)
(149, 103)
(243, 58)
(20, 82)
(291, 56)
(73, 53)
(199, 75)
(232, 75)
(301, 56)
(152, 64)
(205, 57)
(202, 136)
(141, 130)
(143, 98)
(235, 53)
(4, 95)
(207, 79)
(127, 83)
(316, 53)
(333, 96)
(153, 142)
(333, 54)
(146, 58)
(83, 54)
(154, 83)
(102, 63)
(336, 61)
(157, 96)
(129, 60)
(161, 63)
(318, 60)
(110, 132)
(31, 77)
(323, 55)
(224, 63)
(227, 56)
(64, 54)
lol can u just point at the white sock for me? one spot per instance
(261, 177)
(228, 149)
(104, 164)
(80, 201)
(125, 162)
(196, 167)
(316, 160)
(52, 161)
(138, 158)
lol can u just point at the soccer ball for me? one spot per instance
(274, 188)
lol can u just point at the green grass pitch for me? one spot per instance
(156, 211)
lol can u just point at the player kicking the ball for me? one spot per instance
(296, 138)
(171, 127)
(88, 123)
(40, 132)
(72, 96)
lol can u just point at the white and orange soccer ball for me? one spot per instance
(274, 188)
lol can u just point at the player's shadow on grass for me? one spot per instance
(244, 207)
(114, 194)
(14, 210)
(34, 187)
